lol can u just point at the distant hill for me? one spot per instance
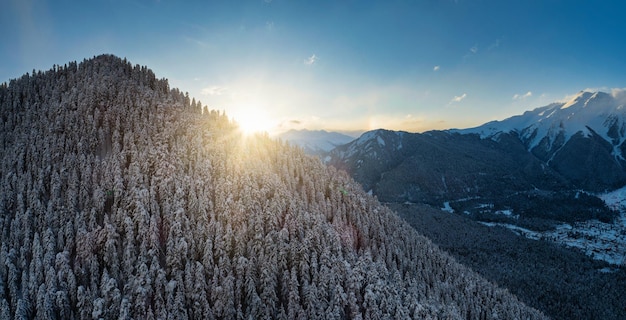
(124, 198)
(315, 142)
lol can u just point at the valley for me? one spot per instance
(563, 283)
(507, 197)
(602, 240)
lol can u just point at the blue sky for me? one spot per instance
(338, 65)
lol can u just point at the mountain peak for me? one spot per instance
(586, 112)
(589, 128)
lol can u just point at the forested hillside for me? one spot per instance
(123, 198)
(563, 283)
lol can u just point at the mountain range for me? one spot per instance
(547, 154)
(315, 142)
(541, 175)
(582, 139)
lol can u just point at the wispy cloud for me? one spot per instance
(214, 91)
(494, 45)
(197, 42)
(471, 52)
(269, 25)
(518, 96)
(458, 98)
(436, 68)
(311, 60)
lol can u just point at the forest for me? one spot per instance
(123, 198)
(561, 282)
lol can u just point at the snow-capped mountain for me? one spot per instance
(315, 141)
(546, 130)
(582, 139)
(546, 154)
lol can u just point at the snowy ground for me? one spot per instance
(600, 240)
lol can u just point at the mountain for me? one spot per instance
(582, 138)
(498, 178)
(124, 198)
(438, 166)
(547, 155)
(315, 142)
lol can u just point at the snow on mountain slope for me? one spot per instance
(552, 126)
(372, 144)
(315, 141)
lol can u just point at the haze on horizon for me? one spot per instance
(401, 65)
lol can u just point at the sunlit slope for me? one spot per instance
(121, 198)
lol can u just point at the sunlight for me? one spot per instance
(253, 120)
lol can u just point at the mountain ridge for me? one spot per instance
(315, 142)
(549, 128)
(571, 145)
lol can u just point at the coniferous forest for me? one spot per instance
(123, 198)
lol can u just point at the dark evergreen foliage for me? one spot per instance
(121, 198)
(562, 283)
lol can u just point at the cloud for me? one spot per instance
(436, 68)
(494, 45)
(471, 52)
(522, 96)
(197, 42)
(311, 60)
(458, 98)
(619, 94)
(269, 25)
(214, 91)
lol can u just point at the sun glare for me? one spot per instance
(253, 120)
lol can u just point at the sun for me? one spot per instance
(253, 120)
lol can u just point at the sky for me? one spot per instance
(338, 65)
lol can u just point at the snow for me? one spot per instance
(447, 208)
(365, 137)
(507, 212)
(602, 241)
(597, 111)
(530, 234)
(315, 141)
(615, 199)
(599, 240)
(380, 141)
